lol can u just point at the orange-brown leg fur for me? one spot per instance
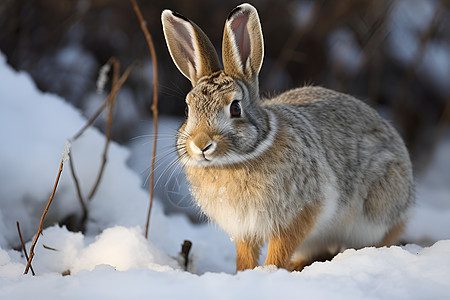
(282, 246)
(299, 264)
(392, 235)
(247, 254)
(389, 239)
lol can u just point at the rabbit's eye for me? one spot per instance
(235, 109)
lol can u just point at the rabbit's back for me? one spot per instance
(363, 151)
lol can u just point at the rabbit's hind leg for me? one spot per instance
(299, 264)
(389, 200)
(391, 237)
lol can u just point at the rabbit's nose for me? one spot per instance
(209, 148)
(202, 144)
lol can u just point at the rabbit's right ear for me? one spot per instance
(190, 48)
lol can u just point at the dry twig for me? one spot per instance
(77, 186)
(49, 248)
(112, 94)
(117, 84)
(154, 106)
(23, 247)
(33, 245)
(185, 249)
(111, 102)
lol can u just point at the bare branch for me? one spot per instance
(154, 106)
(111, 103)
(113, 93)
(43, 216)
(77, 186)
(185, 249)
(49, 248)
(23, 247)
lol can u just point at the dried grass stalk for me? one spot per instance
(33, 245)
(23, 247)
(154, 106)
(111, 102)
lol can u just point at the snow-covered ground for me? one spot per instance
(113, 260)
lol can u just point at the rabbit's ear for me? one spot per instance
(190, 48)
(243, 46)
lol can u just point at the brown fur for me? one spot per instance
(282, 246)
(300, 264)
(201, 140)
(247, 254)
(306, 95)
(242, 179)
(391, 185)
(392, 235)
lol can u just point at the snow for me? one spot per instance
(102, 77)
(112, 259)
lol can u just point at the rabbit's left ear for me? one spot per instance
(243, 45)
(190, 48)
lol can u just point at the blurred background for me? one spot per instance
(394, 55)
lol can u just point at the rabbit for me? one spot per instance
(311, 171)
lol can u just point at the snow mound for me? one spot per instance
(34, 128)
(408, 272)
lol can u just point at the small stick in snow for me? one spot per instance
(77, 186)
(116, 66)
(65, 157)
(49, 248)
(185, 249)
(154, 106)
(113, 93)
(23, 247)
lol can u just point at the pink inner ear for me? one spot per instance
(239, 27)
(185, 40)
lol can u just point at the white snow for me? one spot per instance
(113, 260)
(66, 151)
(102, 77)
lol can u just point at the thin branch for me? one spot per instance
(113, 93)
(77, 185)
(185, 249)
(154, 106)
(116, 66)
(49, 248)
(23, 247)
(63, 159)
